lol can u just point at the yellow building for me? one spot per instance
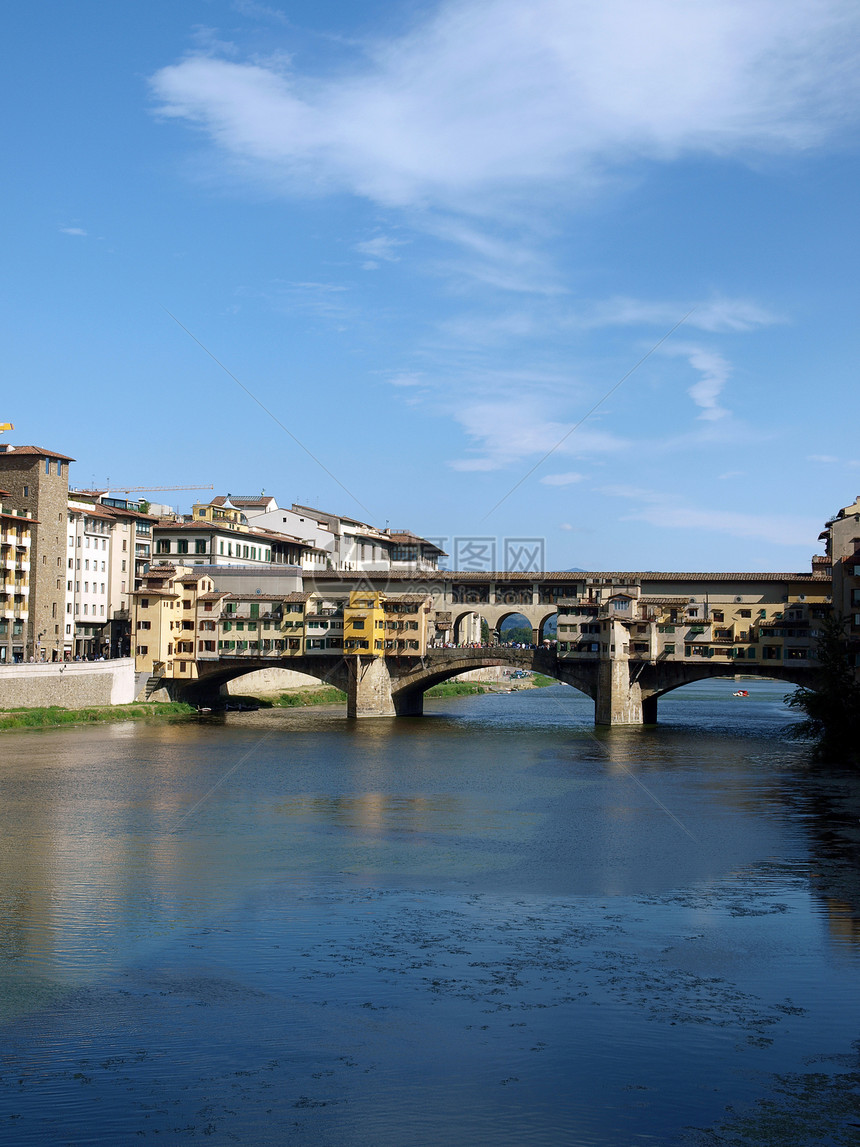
(165, 620)
(378, 624)
(364, 623)
(406, 621)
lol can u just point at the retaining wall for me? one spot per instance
(72, 684)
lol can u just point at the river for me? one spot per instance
(492, 924)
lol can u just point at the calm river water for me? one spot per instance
(487, 925)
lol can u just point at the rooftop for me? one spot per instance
(6, 449)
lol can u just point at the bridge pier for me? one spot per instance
(369, 689)
(619, 700)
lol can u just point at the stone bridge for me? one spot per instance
(624, 692)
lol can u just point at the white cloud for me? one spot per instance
(406, 379)
(565, 526)
(825, 458)
(671, 512)
(562, 479)
(713, 315)
(73, 230)
(715, 372)
(485, 100)
(381, 247)
(514, 430)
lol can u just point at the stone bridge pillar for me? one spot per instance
(369, 691)
(619, 700)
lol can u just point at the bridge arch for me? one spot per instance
(668, 677)
(207, 686)
(547, 617)
(408, 689)
(467, 626)
(507, 615)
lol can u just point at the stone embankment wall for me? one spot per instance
(72, 684)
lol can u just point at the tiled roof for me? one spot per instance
(252, 597)
(5, 451)
(19, 518)
(215, 595)
(406, 537)
(559, 576)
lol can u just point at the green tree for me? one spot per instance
(832, 707)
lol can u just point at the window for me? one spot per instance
(144, 603)
(144, 625)
(717, 615)
(47, 465)
(26, 491)
(358, 624)
(143, 650)
(748, 613)
(163, 546)
(200, 546)
(182, 546)
(123, 565)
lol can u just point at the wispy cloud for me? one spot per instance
(669, 511)
(380, 247)
(512, 430)
(73, 230)
(826, 459)
(487, 100)
(562, 479)
(716, 315)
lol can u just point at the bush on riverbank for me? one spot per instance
(53, 716)
(832, 708)
(456, 689)
(298, 698)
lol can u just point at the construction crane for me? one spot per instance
(152, 489)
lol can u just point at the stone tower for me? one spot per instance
(38, 481)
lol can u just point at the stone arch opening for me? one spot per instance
(547, 628)
(468, 627)
(513, 628)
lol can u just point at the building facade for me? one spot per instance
(15, 548)
(38, 484)
(842, 539)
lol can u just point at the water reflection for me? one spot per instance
(489, 924)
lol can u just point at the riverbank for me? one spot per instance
(54, 716)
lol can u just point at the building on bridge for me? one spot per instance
(382, 624)
(842, 539)
(611, 616)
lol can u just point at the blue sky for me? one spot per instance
(430, 237)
